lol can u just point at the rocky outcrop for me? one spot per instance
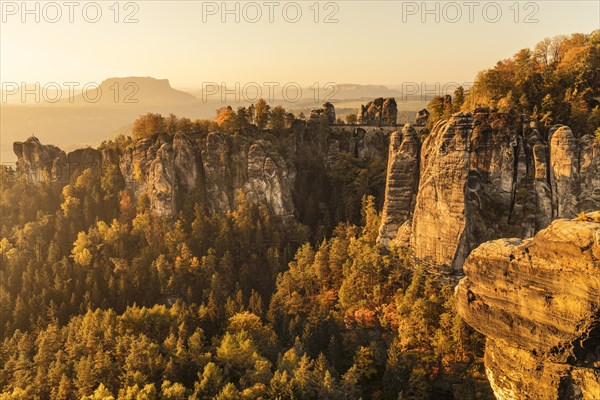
(438, 231)
(38, 163)
(575, 171)
(253, 169)
(564, 167)
(422, 117)
(327, 110)
(165, 170)
(217, 170)
(589, 173)
(378, 112)
(82, 159)
(537, 301)
(218, 166)
(401, 187)
(483, 177)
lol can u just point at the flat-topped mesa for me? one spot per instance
(401, 187)
(380, 112)
(537, 301)
(481, 177)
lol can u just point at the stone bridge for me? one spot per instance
(387, 129)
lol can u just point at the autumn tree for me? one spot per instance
(261, 113)
(148, 125)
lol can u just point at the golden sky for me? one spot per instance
(368, 42)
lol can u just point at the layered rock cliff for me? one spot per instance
(537, 301)
(482, 176)
(219, 166)
(379, 112)
(37, 162)
(401, 187)
(166, 169)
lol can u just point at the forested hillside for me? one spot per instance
(235, 286)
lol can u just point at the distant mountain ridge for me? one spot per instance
(139, 90)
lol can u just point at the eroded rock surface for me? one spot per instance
(253, 169)
(379, 112)
(220, 167)
(38, 163)
(401, 186)
(483, 177)
(287, 175)
(537, 301)
(438, 230)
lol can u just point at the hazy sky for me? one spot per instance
(376, 42)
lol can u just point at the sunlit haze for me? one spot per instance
(369, 44)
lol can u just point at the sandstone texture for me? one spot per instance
(219, 169)
(378, 112)
(438, 231)
(38, 163)
(483, 176)
(401, 187)
(218, 166)
(537, 301)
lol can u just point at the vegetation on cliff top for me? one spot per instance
(100, 299)
(556, 82)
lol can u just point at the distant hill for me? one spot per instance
(136, 90)
(129, 90)
(89, 122)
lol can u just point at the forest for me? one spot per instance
(101, 299)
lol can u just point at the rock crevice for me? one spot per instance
(482, 176)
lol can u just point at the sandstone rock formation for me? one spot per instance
(470, 172)
(476, 177)
(537, 301)
(47, 163)
(438, 231)
(482, 177)
(217, 168)
(378, 112)
(217, 165)
(422, 117)
(254, 169)
(401, 186)
(327, 109)
(81, 159)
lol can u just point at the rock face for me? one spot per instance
(422, 117)
(46, 163)
(469, 176)
(401, 186)
(216, 165)
(537, 301)
(81, 159)
(575, 172)
(438, 231)
(327, 109)
(483, 177)
(253, 169)
(219, 169)
(378, 112)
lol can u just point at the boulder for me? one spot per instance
(537, 301)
